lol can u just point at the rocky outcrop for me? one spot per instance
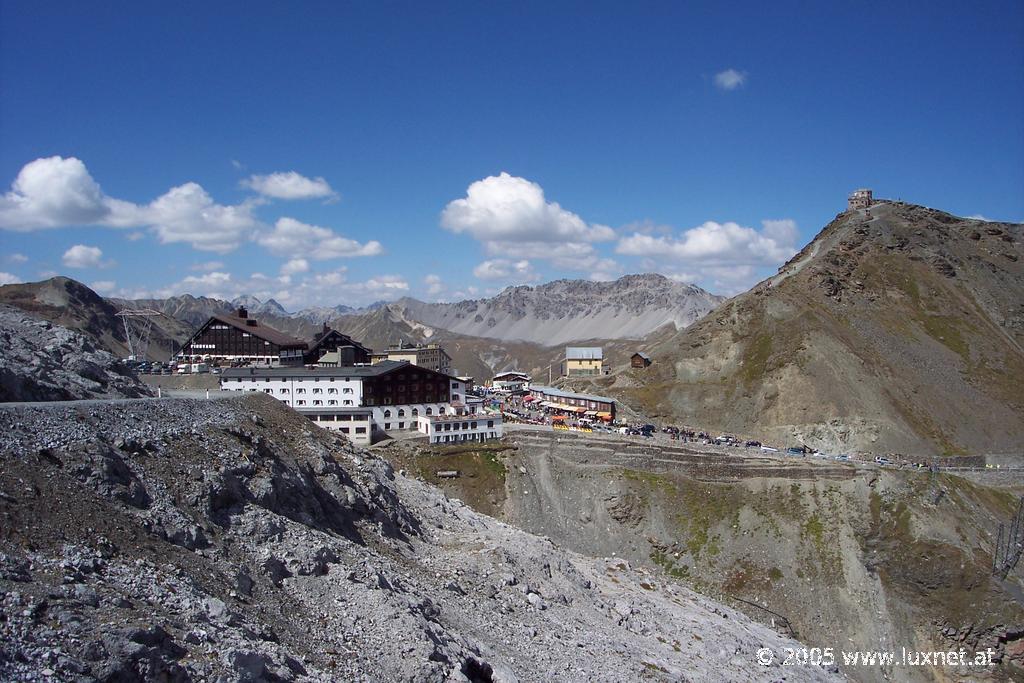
(42, 361)
(231, 539)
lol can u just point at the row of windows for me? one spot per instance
(344, 417)
(448, 438)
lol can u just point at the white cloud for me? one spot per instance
(319, 289)
(207, 266)
(58, 192)
(134, 236)
(504, 209)
(290, 185)
(52, 192)
(504, 269)
(9, 279)
(295, 266)
(188, 214)
(103, 286)
(434, 284)
(730, 79)
(293, 239)
(724, 257)
(718, 243)
(605, 269)
(17, 258)
(82, 256)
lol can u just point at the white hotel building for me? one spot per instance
(364, 402)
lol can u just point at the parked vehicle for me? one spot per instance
(769, 449)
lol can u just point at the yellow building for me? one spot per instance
(583, 361)
(431, 356)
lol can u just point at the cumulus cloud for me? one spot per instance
(508, 209)
(718, 243)
(9, 279)
(83, 256)
(434, 284)
(295, 266)
(504, 269)
(103, 286)
(730, 79)
(57, 192)
(725, 257)
(17, 258)
(290, 185)
(207, 266)
(320, 289)
(293, 239)
(188, 214)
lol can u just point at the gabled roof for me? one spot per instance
(328, 333)
(512, 373)
(583, 353)
(642, 355)
(258, 330)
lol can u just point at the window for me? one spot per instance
(387, 426)
(300, 391)
(387, 413)
(318, 403)
(344, 430)
(430, 411)
(360, 430)
(348, 403)
(415, 412)
(401, 425)
(401, 412)
(347, 390)
(332, 403)
(268, 391)
(440, 411)
(300, 403)
(318, 391)
(332, 391)
(490, 423)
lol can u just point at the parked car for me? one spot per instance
(769, 449)
(752, 444)
(795, 450)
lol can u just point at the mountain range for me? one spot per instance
(898, 328)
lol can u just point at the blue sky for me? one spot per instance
(327, 153)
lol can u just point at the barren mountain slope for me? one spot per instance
(568, 310)
(41, 361)
(231, 539)
(73, 305)
(899, 328)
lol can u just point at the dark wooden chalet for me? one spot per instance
(239, 337)
(332, 348)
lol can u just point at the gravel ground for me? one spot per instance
(231, 540)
